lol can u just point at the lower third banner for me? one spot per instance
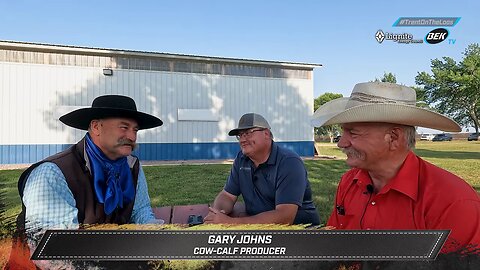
(240, 245)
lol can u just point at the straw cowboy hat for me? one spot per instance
(381, 102)
(110, 106)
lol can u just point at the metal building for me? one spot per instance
(198, 98)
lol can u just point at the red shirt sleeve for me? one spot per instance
(462, 218)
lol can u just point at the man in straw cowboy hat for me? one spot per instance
(272, 180)
(389, 187)
(96, 180)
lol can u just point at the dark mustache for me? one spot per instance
(129, 142)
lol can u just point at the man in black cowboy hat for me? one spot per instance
(272, 180)
(96, 180)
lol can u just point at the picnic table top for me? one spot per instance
(178, 214)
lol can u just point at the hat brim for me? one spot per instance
(336, 112)
(81, 118)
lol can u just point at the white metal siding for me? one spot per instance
(32, 94)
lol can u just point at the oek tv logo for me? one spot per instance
(438, 35)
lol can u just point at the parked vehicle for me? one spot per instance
(473, 137)
(442, 137)
(336, 139)
(427, 137)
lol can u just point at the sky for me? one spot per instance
(338, 35)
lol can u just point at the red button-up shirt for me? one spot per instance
(421, 196)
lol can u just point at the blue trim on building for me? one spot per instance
(18, 154)
(31, 153)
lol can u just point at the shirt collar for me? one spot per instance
(405, 181)
(272, 159)
(362, 179)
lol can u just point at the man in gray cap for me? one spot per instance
(272, 180)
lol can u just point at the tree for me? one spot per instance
(454, 88)
(331, 130)
(387, 77)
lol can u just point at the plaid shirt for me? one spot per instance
(50, 203)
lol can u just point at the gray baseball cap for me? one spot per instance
(248, 121)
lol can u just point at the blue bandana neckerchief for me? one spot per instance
(112, 179)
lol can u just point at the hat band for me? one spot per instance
(366, 98)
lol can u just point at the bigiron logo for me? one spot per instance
(436, 36)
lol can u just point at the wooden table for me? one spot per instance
(178, 214)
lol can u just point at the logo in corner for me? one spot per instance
(380, 36)
(436, 36)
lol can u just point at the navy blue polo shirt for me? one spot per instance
(282, 179)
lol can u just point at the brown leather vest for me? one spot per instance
(74, 167)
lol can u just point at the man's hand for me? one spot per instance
(283, 214)
(216, 216)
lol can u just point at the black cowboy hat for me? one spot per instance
(110, 106)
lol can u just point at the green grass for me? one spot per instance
(199, 184)
(185, 184)
(10, 200)
(330, 150)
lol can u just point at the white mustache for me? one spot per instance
(352, 152)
